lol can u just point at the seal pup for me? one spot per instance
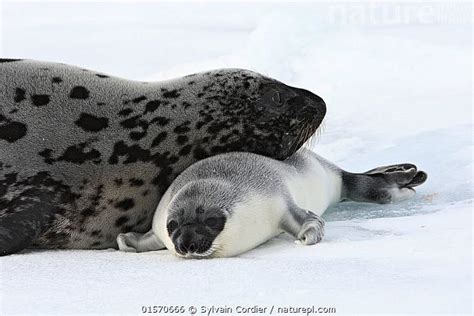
(228, 204)
(85, 156)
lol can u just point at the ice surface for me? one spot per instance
(395, 93)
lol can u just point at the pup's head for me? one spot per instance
(196, 216)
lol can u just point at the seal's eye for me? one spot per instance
(276, 97)
(171, 227)
(215, 222)
(212, 221)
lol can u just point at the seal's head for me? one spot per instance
(247, 111)
(294, 113)
(197, 214)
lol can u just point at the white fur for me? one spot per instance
(317, 188)
(401, 194)
(160, 219)
(252, 223)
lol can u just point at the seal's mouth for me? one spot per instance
(208, 254)
(304, 134)
(314, 136)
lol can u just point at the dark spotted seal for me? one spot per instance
(230, 203)
(85, 156)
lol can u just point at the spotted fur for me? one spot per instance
(85, 156)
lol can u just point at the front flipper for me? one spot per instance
(304, 225)
(136, 242)
(383, 184)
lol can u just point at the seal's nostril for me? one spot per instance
(180, 249)
(192, 247)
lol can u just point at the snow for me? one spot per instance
(396, 92)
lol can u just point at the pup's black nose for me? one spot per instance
(187, 245)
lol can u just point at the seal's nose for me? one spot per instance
(309, 105)
(313, 100)
(186, 244)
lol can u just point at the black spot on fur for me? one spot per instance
(102, 76)
(126, 228)
(95, 199)
(10, 178)
(139, 99)
(87, 212)
(132, 153)
(173, 159)
(19, 95)
(135, 153)
(130, 122)
(125, 112)
(56, 80)
(185, 150)
(173, 94)
(79, 92)
(182, 139)
(152, 106)
(162, 180)
(118, 181)
(200, 124)
(182, 128)
(40, 99)
(8, 60)
(100, 103)
(125, 204)
(11, 131)
(46, 154)
(77, 154)
(200, 153)
(121, 220)
(160, 120)
(91, 123)
(137, 135)
(135, 182)
(216, 127)
(158, 139)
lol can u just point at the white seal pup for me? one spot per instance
(228, 204)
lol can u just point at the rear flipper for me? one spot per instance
(383, 184)
(136, 242)
(22, 220)
(304, 225)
